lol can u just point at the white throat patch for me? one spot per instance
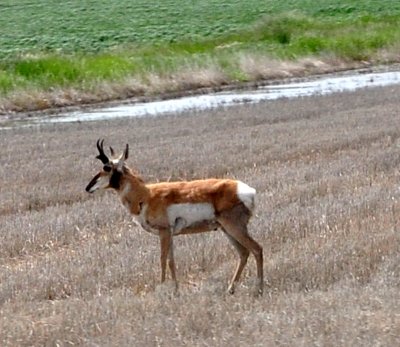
(124, 193)
(141, 221)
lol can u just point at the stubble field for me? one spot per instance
(75, 270)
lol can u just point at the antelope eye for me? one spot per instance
(107, 168)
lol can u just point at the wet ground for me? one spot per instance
(321, 85)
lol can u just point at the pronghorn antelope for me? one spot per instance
(175, 208)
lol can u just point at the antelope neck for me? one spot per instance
(133, 193)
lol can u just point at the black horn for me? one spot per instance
(102, 156)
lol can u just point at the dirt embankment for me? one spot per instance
(28, 103)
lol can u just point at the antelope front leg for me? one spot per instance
(165, 243)
(171, 260)
(167, 252)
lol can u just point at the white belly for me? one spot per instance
(187, 214)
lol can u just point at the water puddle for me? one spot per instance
(318, 86)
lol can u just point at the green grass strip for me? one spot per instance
(288, 36)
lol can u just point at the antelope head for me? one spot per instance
(112, 172)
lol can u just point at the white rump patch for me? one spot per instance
(190, 213)
(246, 194)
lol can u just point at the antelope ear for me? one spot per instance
(126, 152)
(122, 158)
(120, 164)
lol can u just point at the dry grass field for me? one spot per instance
(75, 270)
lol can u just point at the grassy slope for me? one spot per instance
(75, 270)
(71, 52)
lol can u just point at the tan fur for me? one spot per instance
(221, 193)
(138, 193)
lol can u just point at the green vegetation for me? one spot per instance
(84, 46)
